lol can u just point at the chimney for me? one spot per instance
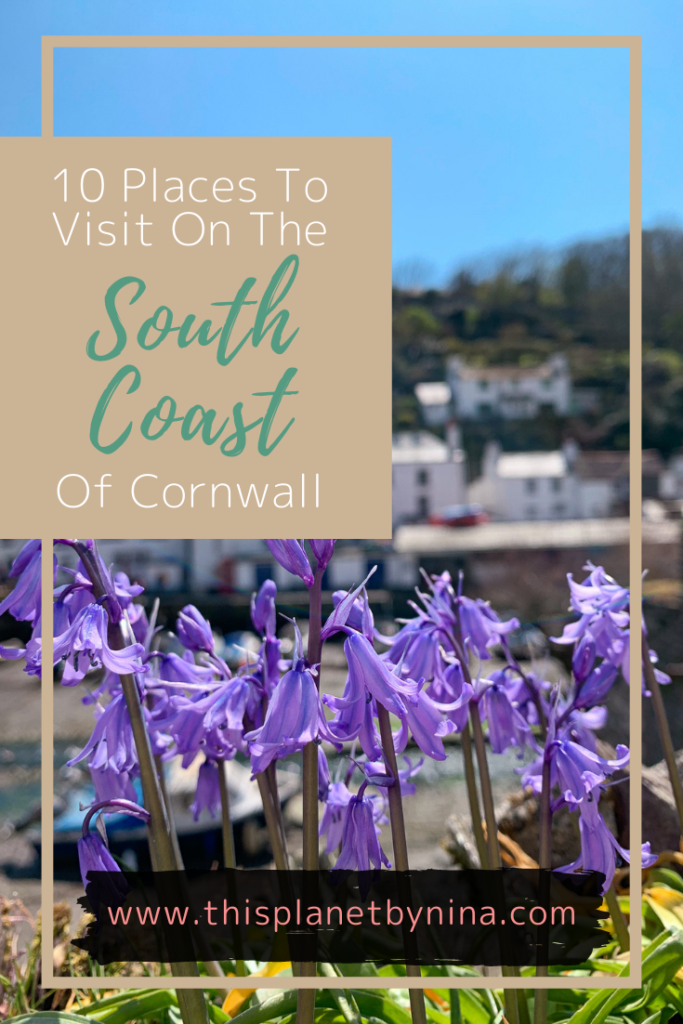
(570, 449)
(453, 436)
(490, 461)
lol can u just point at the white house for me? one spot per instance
(517, 486)
(428, 474)
(511, 392)
(435, 401)
(671, 479)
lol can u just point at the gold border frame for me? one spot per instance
(634, 46)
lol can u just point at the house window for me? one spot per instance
(530, 486)
(423, 506)
(264, 571)
(556, 484)
(531, 512)
(559, 510)
(422, 477)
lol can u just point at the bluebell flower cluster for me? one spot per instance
(436, 672)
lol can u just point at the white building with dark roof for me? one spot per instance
(435, 402)
(428, 474)
(527, 486)
(510, 392)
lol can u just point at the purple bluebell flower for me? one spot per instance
(506, 726)
(360, 618)
(409, 788)
(350, 612)
(448, 687)
(598, 846)
(427, 725)
(323, 551)
(596, 685)
(208, 794)
(422, 653)
(125, 590)
(583, 658)
(23, 602)
(111, 744)
(324, 780)
(34, 655)
(139, 623)
(602, 606)
(293, 558)
(368, 672)
(377, 774)
(332, 820)
(210, 722)
(481, 627)
(582, 725)
(84, 644)
(263, 613)
(270, 664)
(12, 653)
(94, 855)
(26, 555)
(111, 785)
(621, 655)
(294, 718)
(361, 850)
(575, 769)
(193, 631)
(174, 669)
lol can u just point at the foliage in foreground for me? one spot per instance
(658, 1001)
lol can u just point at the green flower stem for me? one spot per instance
(275, 796)
(169, 809)
(544, 862)
(191, 1001)
(229, 858)
(346, 1004)
(663, 729)
(473, 797)
(279, 855)
(398, 836)
(515, 1001)
(456, 1013)
(486, 788)
(618, 919)
(305, 1010)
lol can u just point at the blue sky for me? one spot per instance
(493, 149)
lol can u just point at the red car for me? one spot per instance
(460, 515)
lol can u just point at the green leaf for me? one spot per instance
(607, 966)
(667, 877)
(661, 962)
(359, 970)
(598, 1007)
(660, 966)
(661, 1016)
(140, 1004)
(674, 997)
(322, 1016)
(280, 1005)
(216, 1015)
(472, 1011)
(373, 1004)
(45, 1015)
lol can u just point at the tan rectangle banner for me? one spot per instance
(205, 328)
